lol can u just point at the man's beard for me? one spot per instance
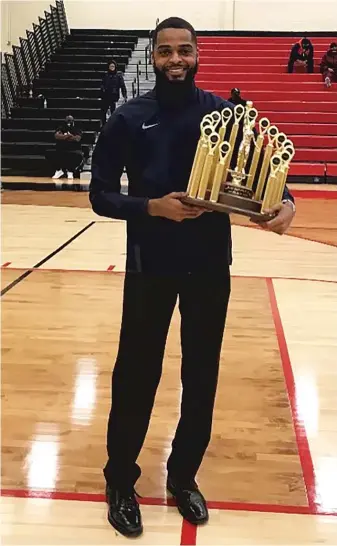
(174, 93)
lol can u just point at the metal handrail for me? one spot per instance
(138, 74)
(147, 61)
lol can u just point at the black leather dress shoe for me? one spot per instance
(190, 502)
(123, 513)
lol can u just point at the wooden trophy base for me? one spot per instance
(233, 199)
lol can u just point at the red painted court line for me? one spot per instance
(188, 534)
(300, 432)
(46, 270)
(6, 264)
(111, 268)
(334, 245)
(281, 278)
(254, 507)
(312, 194)
(151, 501)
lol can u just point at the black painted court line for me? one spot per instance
(51, 255)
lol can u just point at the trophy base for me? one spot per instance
(230, 203)
(238, 190)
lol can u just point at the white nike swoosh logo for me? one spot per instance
(149, 126)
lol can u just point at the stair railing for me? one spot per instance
(21, 67)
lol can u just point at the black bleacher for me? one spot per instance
(70, 82)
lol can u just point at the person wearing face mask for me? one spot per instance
(328, 65)
(67, 156)
(112, 84)
(303, 53)
(173, 251)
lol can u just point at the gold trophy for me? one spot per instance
(256, 183)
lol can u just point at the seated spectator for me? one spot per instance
(68, 156)
(112, 84)
(236, 98)
(328, 65)
(302, 53)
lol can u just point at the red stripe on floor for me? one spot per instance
(111, 268)
(122, 273)
(312, 194)
(300, 432)
(6, 264)
(188, 534)
(150, 501)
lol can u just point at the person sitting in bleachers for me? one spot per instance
(302, 53)
(112, 84)
(68, 155)
(328, 65)
(236, 98)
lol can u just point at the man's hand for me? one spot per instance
(282, 221)
(172, 208)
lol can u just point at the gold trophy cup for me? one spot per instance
(256, 183)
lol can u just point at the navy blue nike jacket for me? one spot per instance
(157, 148)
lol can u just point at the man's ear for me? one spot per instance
(152, 58)
(198, 56)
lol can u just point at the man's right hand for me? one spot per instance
(172, 208)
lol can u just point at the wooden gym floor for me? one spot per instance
(270, 474)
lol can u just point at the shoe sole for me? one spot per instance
(122, 531)
(193, 522)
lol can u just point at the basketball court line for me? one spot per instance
(44, 260)
(300, 432)
(334, 245)
(188, 534)
(110, 270)
(295, 236)
(314, 194)
(153, 501)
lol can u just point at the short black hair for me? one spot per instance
(173, 22)
(333, 44)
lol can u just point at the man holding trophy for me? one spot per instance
(191, 158)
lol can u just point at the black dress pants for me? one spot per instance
(293, 59)
(106, 104)
(65, 160)
(148, 305)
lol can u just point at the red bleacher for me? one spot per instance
(297, 103)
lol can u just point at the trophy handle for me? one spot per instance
(216, 117)
(264, 125)
(280, 140)
(226, 116)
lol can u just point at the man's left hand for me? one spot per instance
(282, 221)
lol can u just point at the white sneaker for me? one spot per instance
(58, 174)
(327, 82)
(70, 176)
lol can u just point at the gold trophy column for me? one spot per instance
(213, 142)
(264, 125)
(221, 167)
(199, 160)
(272, 134)
(239, 112)
(275, 164)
